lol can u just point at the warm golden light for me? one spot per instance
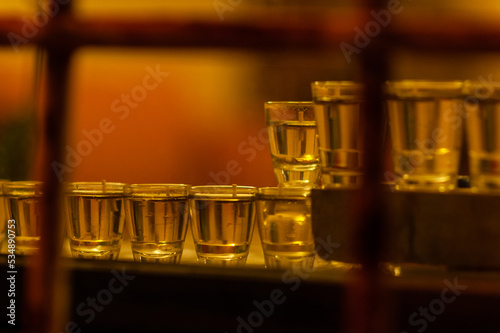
(166, 116)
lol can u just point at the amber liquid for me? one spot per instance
(157, 228)
(426, 143)
(294, 152)
(26, 212)
(222, 229)
(95, 226)
(340, 144)
(286, 232)
(3, 220)
(483, 126)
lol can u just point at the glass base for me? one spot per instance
(160, 252)
(294, 177)
(95, 250)
(289, 262)
(222, 255)
(105, 255)
(335, 180)
(170, 259)
(433, 183)
(27, 245)
(223, 261)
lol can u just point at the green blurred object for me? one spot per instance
(17, 145)
(19, 127)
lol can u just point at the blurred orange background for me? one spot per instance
(176, 117)
(202, 119)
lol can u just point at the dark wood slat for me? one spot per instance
(169, 298)
(266, 31)
(458, 229)
(263, 33)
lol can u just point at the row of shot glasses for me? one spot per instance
(222, 220)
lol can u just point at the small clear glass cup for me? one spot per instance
(157, 219)
(23, 205)
(337, 107)
(482, 114)
(222, 223)
(96, 219)
(291, 128)
(284, 222)
(3, 214)
(426, 133)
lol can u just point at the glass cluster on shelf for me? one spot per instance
(314, 144)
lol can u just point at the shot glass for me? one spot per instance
(3, 214)
(284, 222)
(292, 139)
(96, 219)
(157, 219)
(337, 106)
(426, 133)
(222, 223)
(23, 206)
(482, 111)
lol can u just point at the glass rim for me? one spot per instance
(93, 188)
(326, 91)
(341, 83)
(423, 88)
(156, 190)
(278, 111)
(477, 82)
(289, 103)
(22, 188)
(493, 89)
(288, 192)
(425, 81)
(3, 181)
(222, 191)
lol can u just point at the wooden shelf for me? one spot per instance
(459, 229)
(183, 298)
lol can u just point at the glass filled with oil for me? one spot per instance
(293, 143)
(95, 219)
(23, 209)
(284, 222)
(337, 106)
(3, 214)
(482, 113)
(426, 133)
(157, 219)
(222, 223)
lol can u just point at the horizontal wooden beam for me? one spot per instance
(427, 32)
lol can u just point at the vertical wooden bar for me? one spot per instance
(366, 311)
(44, 278)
